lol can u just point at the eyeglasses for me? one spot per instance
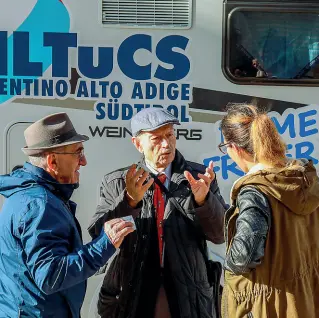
(80, 153)
(223, 147)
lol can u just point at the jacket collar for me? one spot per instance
(257, 167)
(179, 165)
(43, 178)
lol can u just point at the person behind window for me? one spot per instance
(272, 259)
(240, 59)
(284, 43)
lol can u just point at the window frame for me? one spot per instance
(289, 7)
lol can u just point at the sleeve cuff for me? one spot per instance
(133, 211)
(104, 245)
(204, 210)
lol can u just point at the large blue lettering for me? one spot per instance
(185, 92)
(151, 90)
(94, 94)
(15, 87)
(99, 108)
(60, 43)
(184, 117)
(113, 110)
(104, 66)
(224, 166)
(4, 53)
(21, 57)
(304, 123)
(47, 88)
(138, 107)
(127, 111)
(125, 56)
(305, 150)
(172, 91)
(104, 85)
(180, 62)
(3, 86)
(82, 90)
(137, 92)
(288, 123)
(229, 167)
(173, 110)
(116, 89)
(61, 88)
(27, 82)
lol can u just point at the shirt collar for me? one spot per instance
(167, 171)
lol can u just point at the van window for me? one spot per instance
(272, 45)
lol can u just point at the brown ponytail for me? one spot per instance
(253, 131)
(267, 144)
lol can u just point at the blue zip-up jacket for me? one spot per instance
(43, 262)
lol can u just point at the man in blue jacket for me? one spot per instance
(43, 262)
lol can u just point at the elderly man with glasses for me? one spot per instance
(44, 264)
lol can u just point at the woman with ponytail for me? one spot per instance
(272, 260)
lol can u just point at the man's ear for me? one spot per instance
(137, 143)
(52, 163)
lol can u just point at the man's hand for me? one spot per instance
(200, 187)
(116, 230)
(135, 189)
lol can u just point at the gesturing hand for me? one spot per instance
(134, 185)
(116, 230)
(200, 187)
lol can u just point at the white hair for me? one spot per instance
(39, 161)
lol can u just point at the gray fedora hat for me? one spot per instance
(50, 132)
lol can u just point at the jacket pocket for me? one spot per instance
(108, 304)
(205, 299)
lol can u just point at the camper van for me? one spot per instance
(102, 61)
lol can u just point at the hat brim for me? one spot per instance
(157, 127)
(29, 151)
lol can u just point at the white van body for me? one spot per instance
(141, 60)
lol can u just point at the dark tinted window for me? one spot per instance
(272, 46)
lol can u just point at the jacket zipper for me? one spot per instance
(226, 221)
(133, 301)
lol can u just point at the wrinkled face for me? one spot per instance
(158, 146)
(68, 162)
